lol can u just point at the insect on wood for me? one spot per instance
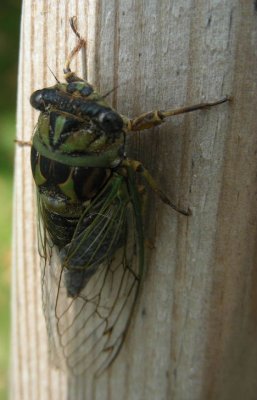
(90, 224)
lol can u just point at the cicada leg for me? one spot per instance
(149, 120)
(23, 143)
(138, 167)
(68, 74)
(143, 196)
(157, 117)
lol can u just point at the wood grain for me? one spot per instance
(194, 333)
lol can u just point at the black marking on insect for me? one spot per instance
(90, 228)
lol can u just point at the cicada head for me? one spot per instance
(76, 120)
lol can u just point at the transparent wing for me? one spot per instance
(86, 329)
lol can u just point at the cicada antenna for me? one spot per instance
(68, 74)
(109, 92)
(55, 77)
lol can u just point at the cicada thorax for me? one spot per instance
(77, 144)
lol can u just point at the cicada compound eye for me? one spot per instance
(111, 122)
(37, 100)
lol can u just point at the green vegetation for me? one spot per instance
(9, 42)
(7, 127)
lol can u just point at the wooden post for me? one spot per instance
(194, 333)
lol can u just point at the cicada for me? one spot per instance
(90, 223)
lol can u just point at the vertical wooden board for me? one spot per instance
(233, 312)
(193, 335)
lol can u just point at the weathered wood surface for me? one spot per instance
(194, 333)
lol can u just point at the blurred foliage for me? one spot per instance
(9, 44)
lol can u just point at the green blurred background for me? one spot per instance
(9, 44)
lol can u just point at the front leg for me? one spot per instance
(157, 117)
